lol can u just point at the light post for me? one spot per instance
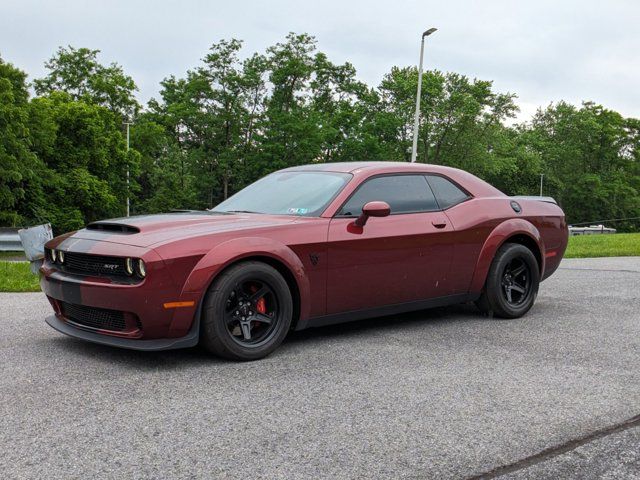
(416, 119)
(541, 180)
(128, 124)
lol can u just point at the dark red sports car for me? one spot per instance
(302, 247)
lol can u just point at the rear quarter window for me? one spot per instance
(447, 193)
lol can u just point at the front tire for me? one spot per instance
(247, 312)
(512, 282)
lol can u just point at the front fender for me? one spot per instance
(505, 230)
(237, 249)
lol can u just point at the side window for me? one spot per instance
(403, 193)
(447, 193)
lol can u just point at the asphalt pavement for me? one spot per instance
(443, 393)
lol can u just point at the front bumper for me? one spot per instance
(189, 340)
(150, 325)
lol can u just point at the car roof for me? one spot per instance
(355, 167)
(471, 183)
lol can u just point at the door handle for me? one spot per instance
(441, 223)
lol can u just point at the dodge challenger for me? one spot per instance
(302, 247)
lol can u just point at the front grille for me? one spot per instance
(94, 264)
(94, 317)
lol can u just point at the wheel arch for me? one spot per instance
(268, 251)
(530, 243)
(515, 230)
(281, 268)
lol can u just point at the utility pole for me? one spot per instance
(128, 124)
(541, 181)
(416, 120)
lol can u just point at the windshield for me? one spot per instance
(287, 193)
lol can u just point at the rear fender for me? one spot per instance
(499, 235)
(235, 250)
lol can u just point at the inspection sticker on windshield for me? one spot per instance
(297, 211)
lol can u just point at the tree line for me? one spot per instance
(236, 117)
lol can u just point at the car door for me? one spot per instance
(401, 258)
(469, 233)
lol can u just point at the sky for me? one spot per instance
(543, 51)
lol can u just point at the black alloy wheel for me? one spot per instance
(251, 312)
(516, 281)
(512, 282)
(247, 312)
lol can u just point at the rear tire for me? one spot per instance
(247, 312)
(512, 283)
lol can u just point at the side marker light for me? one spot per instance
(169, 305)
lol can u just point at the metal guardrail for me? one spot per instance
(10, 240)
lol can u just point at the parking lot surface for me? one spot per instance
(443, 393)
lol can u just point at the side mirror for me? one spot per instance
(373, 209)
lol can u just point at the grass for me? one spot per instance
(615, 245)
(17, 277)
(11, 255)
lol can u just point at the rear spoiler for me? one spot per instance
(535, 197)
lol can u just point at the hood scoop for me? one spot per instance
(112, 227)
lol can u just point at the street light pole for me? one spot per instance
(416, 120)
(127, 124)
(541, 180)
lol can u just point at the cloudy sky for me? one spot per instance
(542, 50)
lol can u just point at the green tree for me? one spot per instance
(20, 169)
(459, 117)
(590, 157)
(289, 133)
(213, 115)
(77, 72)
(166, 178)
(86, 160)
(341, 106)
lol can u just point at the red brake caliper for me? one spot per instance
(261, 304)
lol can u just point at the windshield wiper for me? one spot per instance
(240, 211)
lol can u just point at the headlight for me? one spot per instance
(54, 255)
(128, 266)
(142, 269)
(61, 256)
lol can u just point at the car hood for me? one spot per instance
(148, 230)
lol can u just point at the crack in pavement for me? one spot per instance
(557, 450)
(600, 269)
